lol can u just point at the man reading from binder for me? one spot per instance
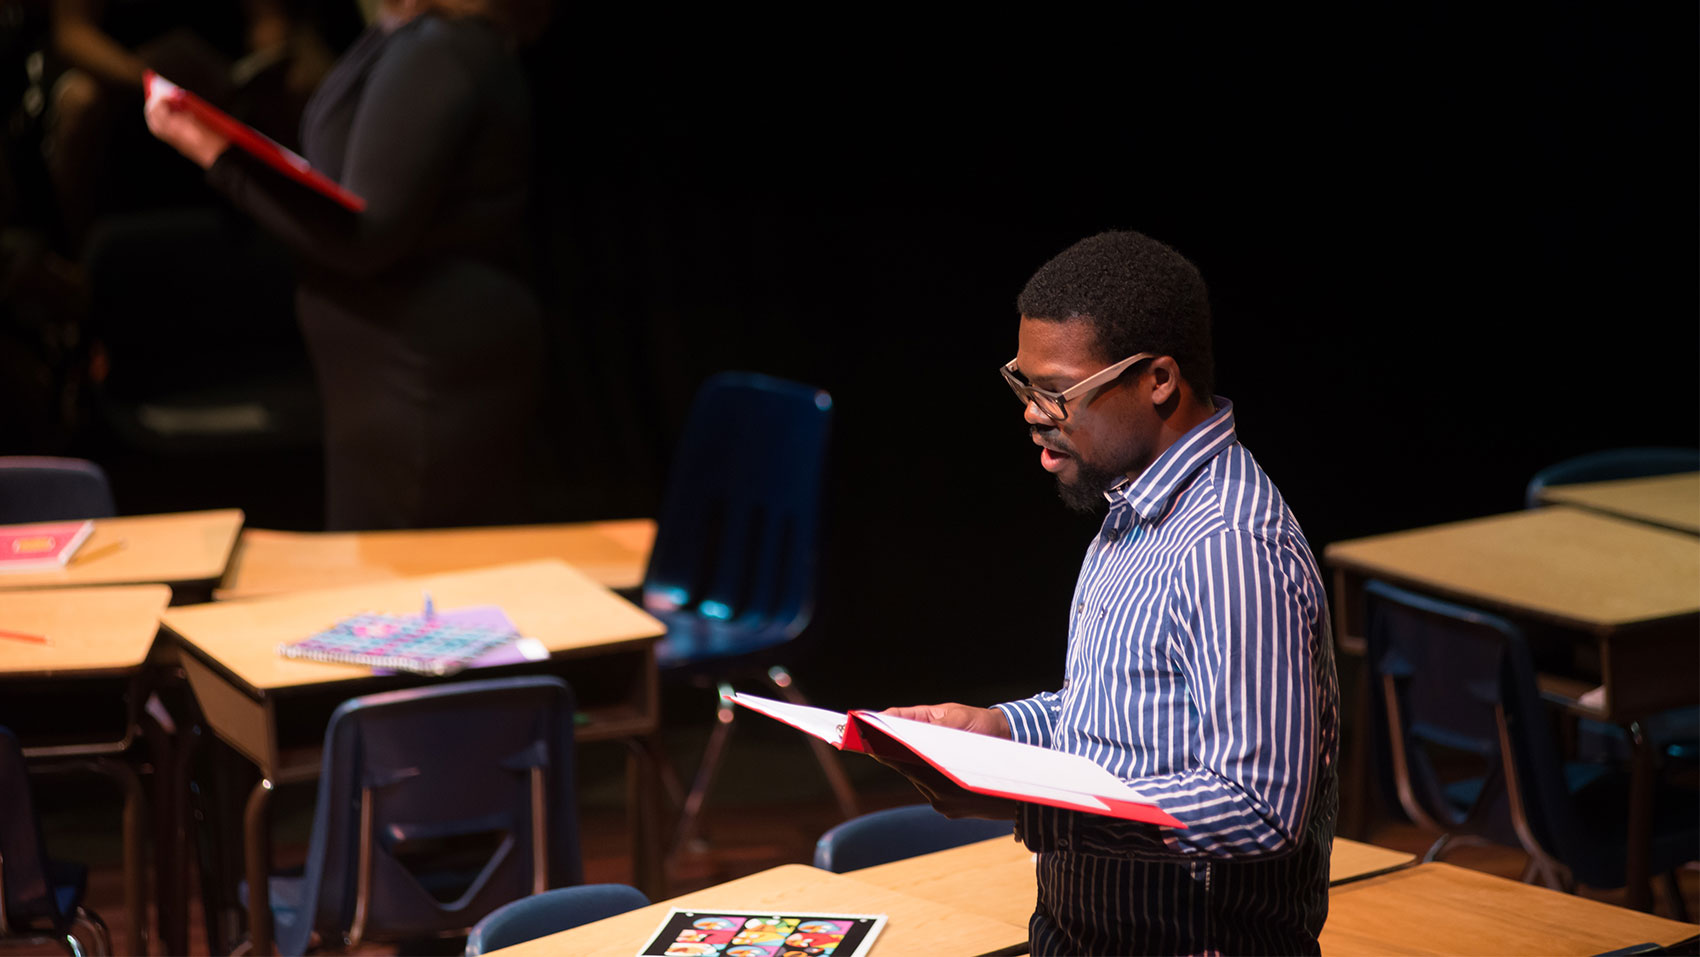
(1200, 666)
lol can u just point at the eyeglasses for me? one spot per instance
(1054, 405)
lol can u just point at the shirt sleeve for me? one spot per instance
(1031, 719)
(415, 113)
(1244, 615)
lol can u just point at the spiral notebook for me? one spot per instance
(428, 645)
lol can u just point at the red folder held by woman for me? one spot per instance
(250, 140)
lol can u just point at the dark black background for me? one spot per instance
(1446, 247)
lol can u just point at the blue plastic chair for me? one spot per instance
(1474, 755)
(1611, 464)
(551, 912)
(732, 573)
(897, 833)
(436, 805)
(39, 488)
(39, 898)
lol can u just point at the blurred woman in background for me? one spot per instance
(424, 329)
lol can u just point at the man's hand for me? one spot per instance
(952, 799)
(945, 795)
(965, 717)
(183, 131)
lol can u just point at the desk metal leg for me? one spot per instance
(1358, 770)
(135, 851)
(643, 799)
(172, 756)
(1640, 836)
(257, 863)
(135, 816)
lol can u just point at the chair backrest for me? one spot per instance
(1458, 688)
(26, 889)
(1611, 464)
(736, 538)
(39, 488)
(551, 912)
(897, 833)
(437, 805)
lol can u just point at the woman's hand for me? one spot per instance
(183, 131)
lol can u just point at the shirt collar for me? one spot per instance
(1148, 494)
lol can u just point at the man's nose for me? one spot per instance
(1033, 416)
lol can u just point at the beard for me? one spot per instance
(1086, 493)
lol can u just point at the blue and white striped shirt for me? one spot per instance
(1200, 671)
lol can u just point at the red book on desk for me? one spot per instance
(34, 548)
(250, 140)
(979, 763)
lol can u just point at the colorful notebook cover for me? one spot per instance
(706, 932)
(251, 141)
(42, 547)
(434, 645)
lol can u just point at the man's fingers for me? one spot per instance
(929, 713)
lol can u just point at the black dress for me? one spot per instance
(426, 337)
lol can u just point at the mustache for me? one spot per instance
(1050, 438)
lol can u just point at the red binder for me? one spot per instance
(974, 762)
(250, 140)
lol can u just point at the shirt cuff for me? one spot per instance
(1029, 722)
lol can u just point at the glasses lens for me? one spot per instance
(1047, 404)
(1050, 406)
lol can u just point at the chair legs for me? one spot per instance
(1673, 891)
(89, 935)
(835, 776)
(690, 804)
(691, 808)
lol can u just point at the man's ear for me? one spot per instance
(1165, 380)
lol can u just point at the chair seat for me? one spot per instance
(691, 638)
(1578, 776)
(1601, 794)
(1675, 734)
(1604, 806)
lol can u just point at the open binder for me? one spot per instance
(251, 141)
(976, 762)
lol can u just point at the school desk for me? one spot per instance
(272, 710)
(62, 649)
(1628, 593)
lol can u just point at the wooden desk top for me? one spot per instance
(1577, 568)
(1443, 909)
(1350, 860)
(1669, 500)
(88, 630)
(178, 548)
(1004, 882)
(913, 926)
(546, 600)
(613, 553)
(1003, 885)
(1420, 909)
